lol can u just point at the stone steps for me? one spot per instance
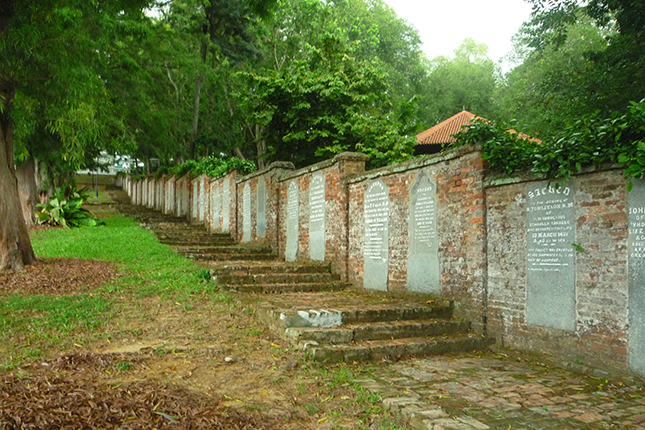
(286, 287)
(250, 268)
(274, 278)
(229, 255)
(311, 307)
(379, 331)
(395, 349)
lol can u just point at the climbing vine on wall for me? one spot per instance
(592, 140)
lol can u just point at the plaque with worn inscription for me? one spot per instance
(246, 213)
(261, 219)
(636, 264)
(550, 263)
(215, 205)
(202, 198)
(317, 217)
(423, 271)
(226, 206)
(195, 201)
(376, 236)
(292, 221)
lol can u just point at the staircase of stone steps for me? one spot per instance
(371, 326)
(277, 278)
(311, 307)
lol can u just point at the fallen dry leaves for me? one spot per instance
(58, 276)
(60, 395)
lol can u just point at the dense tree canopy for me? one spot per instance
(267, 80)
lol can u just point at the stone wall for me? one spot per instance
(445, 255)
(259, 218)
(222, 203)
(312, 220)
(557, 280)
(539, 267)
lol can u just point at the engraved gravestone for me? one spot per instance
(246, 213)
(317, 217)
(636, 264)
(202, 198)
(195, 201)
(550, 235)
(376, 236)
(292, 221)
(226, 206)
(216, 198)
(423, 274)
(261, 219)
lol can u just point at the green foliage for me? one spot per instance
(464, 82)
(590, 141)
(331, 103)
(67, 211)
(214, 166)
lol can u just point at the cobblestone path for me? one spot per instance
(489, 391)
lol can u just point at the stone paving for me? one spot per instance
(495, 391)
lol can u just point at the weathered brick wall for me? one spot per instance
(601, 280)
(460, 219)
(335, 172)
(270, 176)
(217, 186)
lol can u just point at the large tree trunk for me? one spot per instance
(27, 189)
(15, 245)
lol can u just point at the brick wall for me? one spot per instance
(601, 284)
(482, 233)
(461, 228)
(334, 171)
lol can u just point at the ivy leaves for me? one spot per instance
(589, 141)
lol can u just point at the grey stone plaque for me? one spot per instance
(261, 212)
(292, 221)
(226, 206)
(195, 200)
(246, 213)
(216, 199)
(202, 198)
(636, 264)
(317, 217)
(551, 275)
(376, 236)
(423, 254)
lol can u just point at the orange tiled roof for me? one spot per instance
(441, 133)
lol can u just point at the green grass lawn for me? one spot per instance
(29, 325)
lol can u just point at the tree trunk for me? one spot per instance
(27, 189)
(15, 245)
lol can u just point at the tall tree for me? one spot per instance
(49, 52)
(464, 81)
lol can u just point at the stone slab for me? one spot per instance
(291, 252)
(376, 236)
(550, 235)
(216, 190)
(423, 270)
(317, 217)
(226, 205)
(246, 213)
(261, 217)
(636, 264)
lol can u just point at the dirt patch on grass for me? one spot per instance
(59, 276)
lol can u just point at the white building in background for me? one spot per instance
(113, 164)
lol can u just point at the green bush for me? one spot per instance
(67, 212)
